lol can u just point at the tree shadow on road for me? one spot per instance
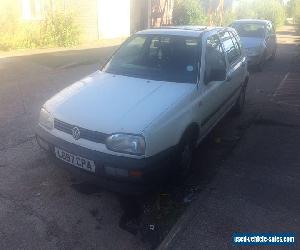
(70, 58)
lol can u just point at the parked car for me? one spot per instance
(139, 118)
(259, 40)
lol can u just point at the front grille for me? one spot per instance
(89, 135)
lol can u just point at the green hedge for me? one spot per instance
(293, 8)
(59, 29)
(56, 30)
(191, 12)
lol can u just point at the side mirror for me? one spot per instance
(228, 77)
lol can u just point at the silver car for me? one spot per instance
(259, 40)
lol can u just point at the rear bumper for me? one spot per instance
(151, 171)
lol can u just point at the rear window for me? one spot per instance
(157, 57)
(250, 29)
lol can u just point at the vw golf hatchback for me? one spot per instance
(138, 119)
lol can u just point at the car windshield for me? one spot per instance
(250, 29)
(157, 57)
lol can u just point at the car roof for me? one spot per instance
(189, 31)
(252, 21)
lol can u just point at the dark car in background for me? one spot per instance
(259, 40)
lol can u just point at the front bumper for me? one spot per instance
(143, 174)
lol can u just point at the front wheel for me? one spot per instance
(240, 103)
(184, 162)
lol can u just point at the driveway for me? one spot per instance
(42, 206)
(255, 186)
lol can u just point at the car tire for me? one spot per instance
(261, 64)
(273, 55)
(184, 159)
(240, 103)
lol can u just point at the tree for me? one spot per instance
(218, 11)
(294, 10)
(267, 9)
(188, 12)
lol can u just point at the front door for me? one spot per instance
(214, 86)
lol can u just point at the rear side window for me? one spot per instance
(238, 39)
(231, 46)
(236, 42)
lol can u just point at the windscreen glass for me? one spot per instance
(161, 58)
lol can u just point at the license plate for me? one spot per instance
(75, 160)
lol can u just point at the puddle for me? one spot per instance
(87, 188)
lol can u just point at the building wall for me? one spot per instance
(100, 19)
(10, 7)
(97, 19)
(85, 14)
(113, 18)
(140, 15)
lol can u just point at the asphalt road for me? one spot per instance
(42, 206)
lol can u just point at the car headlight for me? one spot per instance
(46, 119)
(126, 143)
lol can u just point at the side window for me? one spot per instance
(233, 52)
(270, 29)
(273, 29)
(215, 64)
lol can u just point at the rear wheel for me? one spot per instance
(273, 55)
(260, 65)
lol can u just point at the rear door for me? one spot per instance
(236, 64)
